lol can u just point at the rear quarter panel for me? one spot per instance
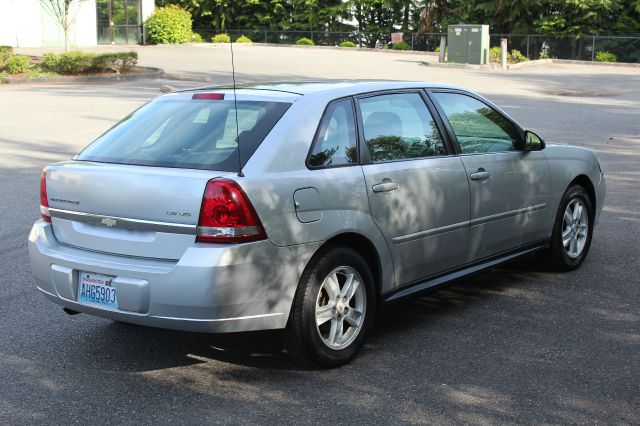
(277, 169)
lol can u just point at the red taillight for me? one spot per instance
(44, 202)
(226, 215)
(209, 96)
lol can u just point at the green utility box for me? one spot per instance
(468, 44)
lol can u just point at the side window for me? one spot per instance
(478, 127)
(399, 126)
(335, 143)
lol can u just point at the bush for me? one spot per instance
(513, 57)
(169, 24)
(17, 64)
(78, 62)
(196, 38)
(221, 38)
(403, 45)
(516, 57)
(120, 62)
(243, 39)
(38, 73)
(605, 56)
(49, 62)
(305, 42)
(347, 44)
(494, 54)
(73, 63)
(5, 53)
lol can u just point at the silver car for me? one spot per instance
(303, 207)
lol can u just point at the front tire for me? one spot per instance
(333, 309)
(572, 231)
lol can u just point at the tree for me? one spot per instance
(383, 16)
(60, 10)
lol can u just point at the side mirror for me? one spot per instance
(532, 142)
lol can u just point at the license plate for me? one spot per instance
(96, 289)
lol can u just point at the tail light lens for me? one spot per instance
(44, 202)
(226, 215)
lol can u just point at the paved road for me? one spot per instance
(516, 344)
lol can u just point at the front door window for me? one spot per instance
(478, 127)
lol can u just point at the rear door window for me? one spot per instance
(399, 126)
(335, 142)
(188, 133)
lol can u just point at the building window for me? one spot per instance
(119, 21)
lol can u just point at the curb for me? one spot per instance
(354, 49)
(454, 65)
(149, 72)
(208, 45)
(188, 77)
(598, 64)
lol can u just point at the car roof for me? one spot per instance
(336, 88)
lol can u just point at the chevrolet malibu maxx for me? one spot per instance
(303, 207)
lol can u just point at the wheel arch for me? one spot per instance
(585, 182)
(362, 245)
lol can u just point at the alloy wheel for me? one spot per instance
(340, 307)
(575, 228)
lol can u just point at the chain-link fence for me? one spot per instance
(584, 48)
(422, 42)
(532, 46)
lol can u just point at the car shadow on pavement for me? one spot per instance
(142, 349)
(454, 297)
(260, 349)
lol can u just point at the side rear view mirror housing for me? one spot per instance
(533, 142)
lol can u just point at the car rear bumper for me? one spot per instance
(212, 288)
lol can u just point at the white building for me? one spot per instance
(26, 23)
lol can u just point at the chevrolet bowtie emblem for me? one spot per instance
(108, 221)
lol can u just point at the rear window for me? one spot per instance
(187, 133)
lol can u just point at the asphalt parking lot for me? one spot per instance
(517, 344)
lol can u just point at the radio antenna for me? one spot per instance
(235, 105)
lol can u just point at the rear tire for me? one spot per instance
(333, 309)
(572, 231)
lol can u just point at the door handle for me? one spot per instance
(481, 174)
(385, 186)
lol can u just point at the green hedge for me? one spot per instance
(305, 42)
(17, 64)
(513, 57)
(120, 62)
(82, 63)
(71, 62)
(169, 24)
(604, 56)
(243, 39)
(516, 57)
(49, 61)
(403, 45)
(347, 44)
(221, 38)
(494, 54)
(5, 53)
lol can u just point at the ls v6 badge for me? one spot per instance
(108, 221)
